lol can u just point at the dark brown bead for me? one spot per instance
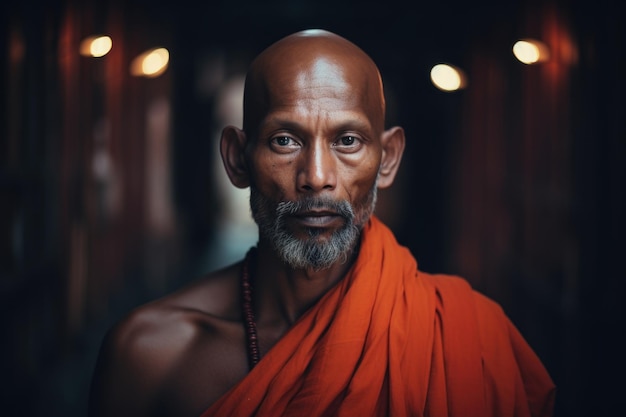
(248, 310)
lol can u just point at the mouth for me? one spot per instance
(318, 219)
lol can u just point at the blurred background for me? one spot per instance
(112, 192)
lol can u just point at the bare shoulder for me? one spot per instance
(177, 353)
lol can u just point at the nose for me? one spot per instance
(317, 170)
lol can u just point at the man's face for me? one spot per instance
(314, 161)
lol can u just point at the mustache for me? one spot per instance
(340, 207)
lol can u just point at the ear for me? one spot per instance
(232, 149)
(393, 147)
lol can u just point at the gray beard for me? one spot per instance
(312, 252)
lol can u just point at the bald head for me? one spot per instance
(312, 60)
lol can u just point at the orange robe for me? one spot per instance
(389, 340)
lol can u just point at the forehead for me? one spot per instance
(324, 87)
(323, 80)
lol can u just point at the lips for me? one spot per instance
(318, 219)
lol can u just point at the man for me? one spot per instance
(327, 315)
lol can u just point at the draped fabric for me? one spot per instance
(390, 340)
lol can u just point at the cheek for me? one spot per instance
(271, 177)
(360, 181)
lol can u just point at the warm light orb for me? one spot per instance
(447, 78)
(96, 46)
(151, 63)
(530, 51)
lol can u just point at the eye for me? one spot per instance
(347, 140)
(348, 143)
(284, 144)
(282, 140)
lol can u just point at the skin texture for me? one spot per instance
(313, 127)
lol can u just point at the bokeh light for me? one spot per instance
(531, 51)
(447, 77)
(151, 63)
(96, 46)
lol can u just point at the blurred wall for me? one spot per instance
(110, 197)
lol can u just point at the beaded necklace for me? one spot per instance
(248, 310)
